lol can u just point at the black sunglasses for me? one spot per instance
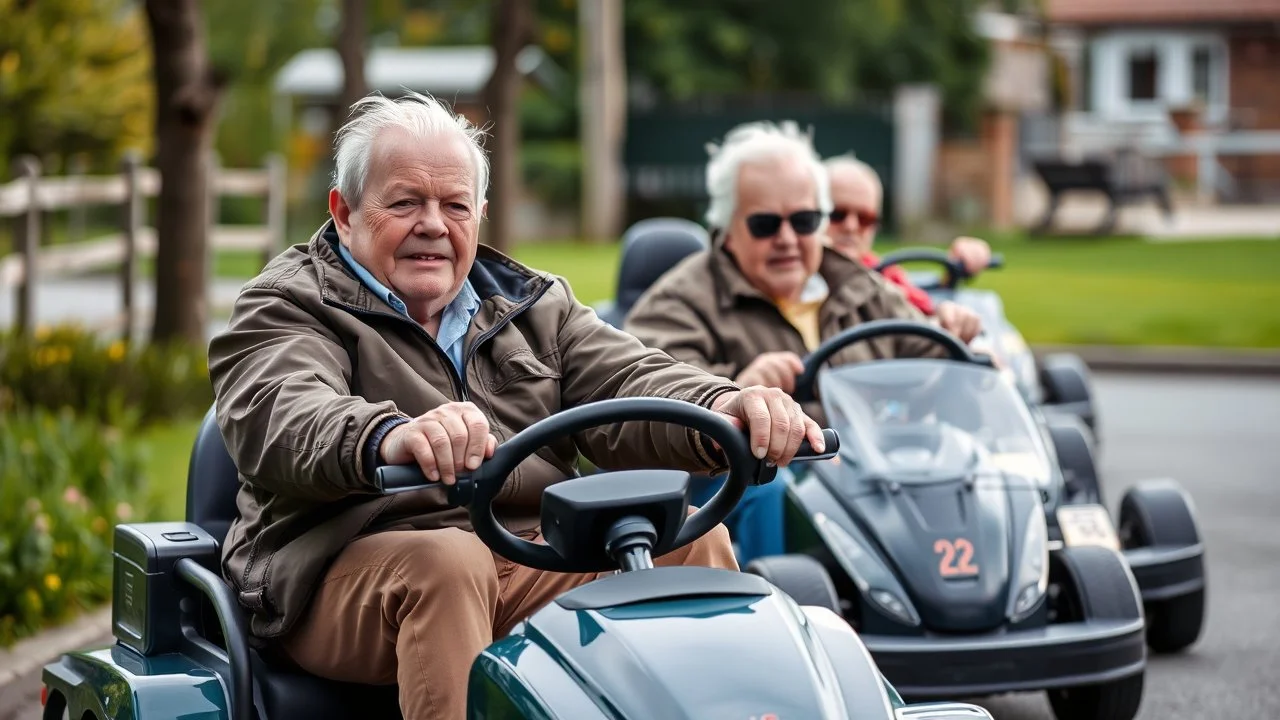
(766, 225)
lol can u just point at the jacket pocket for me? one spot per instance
(518, 367)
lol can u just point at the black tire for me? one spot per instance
(799, 576)
(1066, 382)
(1073, 444)
(1097, 584)
(1115, 700)
(1159, 513)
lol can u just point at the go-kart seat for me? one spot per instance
(279, 691)
(649, 249)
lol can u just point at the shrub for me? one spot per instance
(68, 367)
(64, 484)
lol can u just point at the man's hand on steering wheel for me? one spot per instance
(774, 370)
(444, 442)
(974, 254)
(776, 423)
(959, 320)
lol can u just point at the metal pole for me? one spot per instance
(130, 225)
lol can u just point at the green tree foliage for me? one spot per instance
(249, 41)
(74, 78)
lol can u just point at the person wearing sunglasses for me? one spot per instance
(856, 196)
(767, 292)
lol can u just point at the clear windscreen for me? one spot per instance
(928, 420)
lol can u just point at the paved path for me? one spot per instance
(93, 300)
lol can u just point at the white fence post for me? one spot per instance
(27, 242)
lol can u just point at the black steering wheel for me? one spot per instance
(955, 270)
(806, 383)
(477, 490)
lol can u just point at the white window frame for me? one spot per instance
(1175, 80)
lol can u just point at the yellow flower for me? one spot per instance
(115, 350)
(99, 525)
(52, 582)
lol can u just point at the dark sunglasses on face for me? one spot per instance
(765, 225)
(865, 219)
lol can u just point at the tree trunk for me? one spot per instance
(351, 41)
(187, 94)
(512, 28)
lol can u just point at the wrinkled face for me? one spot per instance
(855, 198)
(415, 228)
(777, 264)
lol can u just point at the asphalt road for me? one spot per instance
(1221, 438)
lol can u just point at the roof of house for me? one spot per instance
(444, 71)
(1107, 12)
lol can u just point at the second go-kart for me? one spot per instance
(645, 642)
(1060, 383)
(966, 561)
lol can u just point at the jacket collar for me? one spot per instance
(493, 275)
(849, 281)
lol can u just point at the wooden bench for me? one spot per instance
(1125, 179)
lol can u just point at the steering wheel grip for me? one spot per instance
(806, 383)
(478, 490)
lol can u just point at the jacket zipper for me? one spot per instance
(458, 380)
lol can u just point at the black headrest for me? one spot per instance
(649, 249)
(212, 481)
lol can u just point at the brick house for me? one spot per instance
(1153, 71)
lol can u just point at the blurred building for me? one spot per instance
(308, 86)
(1191, 83)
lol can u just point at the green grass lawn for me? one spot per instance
(1114, 291)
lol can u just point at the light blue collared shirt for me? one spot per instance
(454, 321)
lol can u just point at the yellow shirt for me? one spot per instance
(804, 317)
(803, 313)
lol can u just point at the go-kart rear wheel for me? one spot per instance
(799, 576)
(1066, 383)
(1095, 583)
(1074, 446)
(1159, 513)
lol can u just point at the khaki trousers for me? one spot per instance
(417, 607)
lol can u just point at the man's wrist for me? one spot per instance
(373, 446)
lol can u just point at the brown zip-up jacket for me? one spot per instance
(313, 362)
(706, 313)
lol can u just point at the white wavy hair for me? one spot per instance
(851, 161)
(423, 116)
(754, 141)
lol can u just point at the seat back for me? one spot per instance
(649, 249)
(212, 481)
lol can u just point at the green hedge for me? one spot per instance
(65, 482)
(72, 368)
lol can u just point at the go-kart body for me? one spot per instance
(1059, 385)
(665, 642)
(963, 557)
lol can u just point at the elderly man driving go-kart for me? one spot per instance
(857, 196)
(769, 290)
(392, 337)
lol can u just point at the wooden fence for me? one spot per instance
(29, 196)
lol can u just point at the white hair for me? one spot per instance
(421, 115)
(755, 141)
(852, 162)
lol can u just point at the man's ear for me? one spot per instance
(484, 210)
(341, 213)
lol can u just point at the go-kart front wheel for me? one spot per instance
(799, 576)
(1097, 585)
